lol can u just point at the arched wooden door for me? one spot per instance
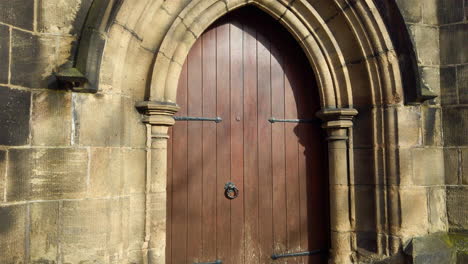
(247, 70)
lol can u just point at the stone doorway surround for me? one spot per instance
(336, 97)
(348, 47)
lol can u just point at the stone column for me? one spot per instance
(158, 117)
(337, 123)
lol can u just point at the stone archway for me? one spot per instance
(347, 45)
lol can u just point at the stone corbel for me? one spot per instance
(337, 123)
(158, 117)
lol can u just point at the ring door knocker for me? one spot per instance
(231, 191)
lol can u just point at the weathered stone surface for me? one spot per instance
(4, 53)
(414, 211)
(362, 124)
(32, 60)
(451, 165)
(136, 222)
(365, 208)
(453, 44)
(462, 83)
(52, 18)
(105, 178)
(426, 39)
(92, 231)
(409, 126)
(430, 12)
(411, 10)
(455, 125)
(134, 170)
(108, 120)
(43, 236)
(46, 174)
(51, 118)
(364, 167)
(448, 86)
(430, 80)
(430, 168)
(432, 126)
(3, 164)
(450, 11)
(431, 249)
(14, 117)
(19, 13)
(12, 234)
(437, 210)
(457, 207)
(464, 165)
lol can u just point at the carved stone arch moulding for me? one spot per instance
(329, 56)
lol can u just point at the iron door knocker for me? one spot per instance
(231, 191)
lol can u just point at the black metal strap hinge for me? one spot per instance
(191, 118)
(299, 254)
(215, 262)
(274, 120)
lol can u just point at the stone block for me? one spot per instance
(51, 118)
(457, 207)
(108, 120)
(367, 241)
(430, 80)
(4, 53)
(453, 44)
(409, 126)
(84, 231)
(426, 39)
(430, 12)
(12, 234)
(464, 165)
(364, 166)
(405, 157)
(437, 210)
(455, 125)
(3, 164)
(450, 11)
(414, 211)
(105, 176)
(363, 124)
(411, 10)
(18, 13)
(451, 166)
(43, 236)
(448, 86)
(136, 222)
(365, 208)
(430, 166)
(14, 116)
(462, 83)
(61, 16)
(134, 170)
(431, 249)
(432, 126)
(42, 174)
(33, 59)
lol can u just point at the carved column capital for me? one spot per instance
(337, 117)
(158, 113)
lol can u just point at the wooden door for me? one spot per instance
(246, 69)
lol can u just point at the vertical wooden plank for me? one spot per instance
(250, 145)
(209, 147)
(223, 142)
(264, 144)
(292, 173)
(195, 172)
(237, 141)
(179, 178)
(278, 151)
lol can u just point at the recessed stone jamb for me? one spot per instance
(337, 122)
(158, 117)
